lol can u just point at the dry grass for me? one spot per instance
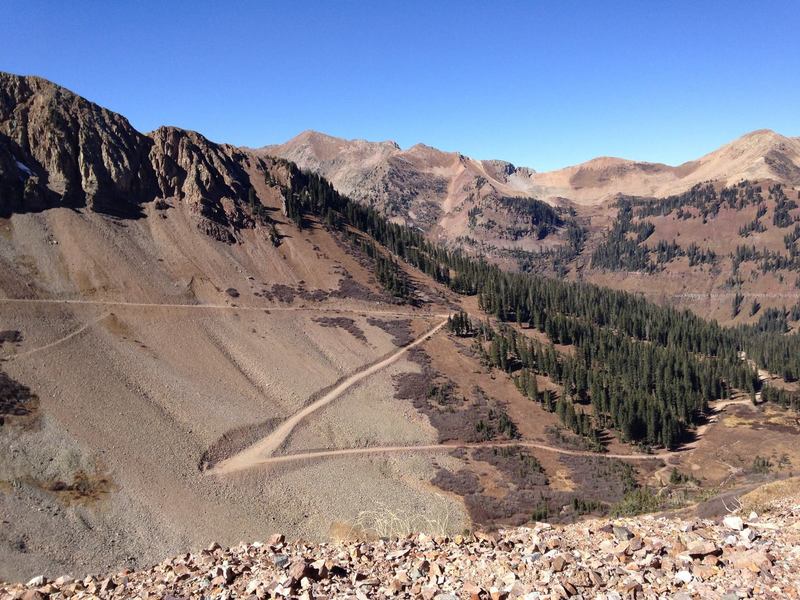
(85, 488)
(384, 522)
(762, 498)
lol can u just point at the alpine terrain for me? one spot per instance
(333, 368)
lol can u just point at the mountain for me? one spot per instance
(60, 150)
(158, 309)
(561, 222)
(762, 154)
(446, 194)
(202, 343)
(371, 171)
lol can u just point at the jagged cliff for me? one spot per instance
(58, 149)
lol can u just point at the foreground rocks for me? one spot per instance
(646, 557)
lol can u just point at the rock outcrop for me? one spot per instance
(60, 150)
(420, 186)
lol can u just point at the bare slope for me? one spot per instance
(165, 311)
(151, 363)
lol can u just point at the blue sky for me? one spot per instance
(542, 84)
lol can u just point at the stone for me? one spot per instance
(596, 578)
(754, 561)
(621, 548)
(660, 561)
(710, 560)
(107, 585)
(280, 560)
(747, 535)
(733, 522)
(622, 533)
(318, 570)
(558, 563)
(428, 592)
(509, 579)
(497, 594)
(489, 537)
(607, 546)
(298, 569)
(398, 554)
(472, 590)
(701, 548)
(632, 587)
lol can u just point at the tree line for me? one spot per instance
(680, 360)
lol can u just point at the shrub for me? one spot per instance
(636, 502)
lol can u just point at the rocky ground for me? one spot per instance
(644, 557)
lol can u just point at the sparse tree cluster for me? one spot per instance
(780, 396)
(460, 324)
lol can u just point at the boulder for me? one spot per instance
(733, 522)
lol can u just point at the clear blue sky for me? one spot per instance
(543, 84)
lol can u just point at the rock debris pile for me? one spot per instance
(644, 557)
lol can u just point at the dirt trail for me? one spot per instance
(662, 474)
(266, 460)
(69, 336)
(255, 454)
(115, 303)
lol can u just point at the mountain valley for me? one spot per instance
(342, 340)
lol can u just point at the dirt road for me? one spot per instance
(267, 460)
(315, 308)
(69, 336)
(255, 454)
(258, 458)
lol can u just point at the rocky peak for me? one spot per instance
(188, 165)
(74, 152)
(58, 149)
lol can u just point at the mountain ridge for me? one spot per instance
(454, 197)
(781, 153)
(58, 149)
